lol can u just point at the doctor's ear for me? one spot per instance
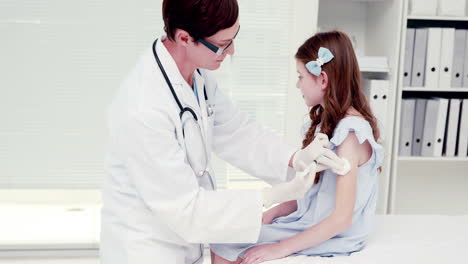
(182, 37)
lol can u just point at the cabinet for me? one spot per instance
(426, 185)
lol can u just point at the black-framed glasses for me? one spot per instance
(218, 50)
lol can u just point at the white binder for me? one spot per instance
(406, 126)
(434, 41)
(419, 117)
(462, 150)
(452, 127)
(433, 135)
(419, 57)
(465, 62)
(384, 86)
(377, 93)
(446, 58)
(423, 7)
(440, 128)
(458, 58)
(451, 8)
(410, 32)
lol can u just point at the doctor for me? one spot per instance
(159, 199)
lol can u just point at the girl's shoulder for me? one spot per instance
(362, 130)
(356, 124)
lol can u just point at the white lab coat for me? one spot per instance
(155, 210)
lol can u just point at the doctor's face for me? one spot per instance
(311, 86)
(206, 58)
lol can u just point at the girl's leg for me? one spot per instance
(215, 259)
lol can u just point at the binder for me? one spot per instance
(419, 117)
(446, 58)
(451, 8)
(423, 8)
(419, 57)
(433, 135)
(440, 128)
(465, 62)
(410, 33)
(383, 86)
(406, 126)
(462, 150)
(434, 41)
(458, 58)
(452, 127)
(377, 93)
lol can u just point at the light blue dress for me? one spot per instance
(319, 202)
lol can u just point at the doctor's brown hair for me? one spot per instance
(200, 18)
(344, 85)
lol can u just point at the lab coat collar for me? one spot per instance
(168, 63)
(200, 85)
(182, 88)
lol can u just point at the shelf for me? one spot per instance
(425, 89)
(373, 64)
(384, 70)
(433, 159)
(439, 18)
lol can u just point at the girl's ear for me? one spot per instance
(324, 80)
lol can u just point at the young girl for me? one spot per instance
(336, 215)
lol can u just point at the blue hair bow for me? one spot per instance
(324, 56)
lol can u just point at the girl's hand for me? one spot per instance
(263, 253)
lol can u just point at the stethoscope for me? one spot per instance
(197, 155)
(195, 147)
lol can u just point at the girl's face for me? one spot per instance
(311, 86)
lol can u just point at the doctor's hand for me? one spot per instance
(292, 190)
(329, 160)
(304, 157)
(263, 253)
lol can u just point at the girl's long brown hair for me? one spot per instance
(344, 85)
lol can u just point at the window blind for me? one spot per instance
(256, 77)
(63, 61)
